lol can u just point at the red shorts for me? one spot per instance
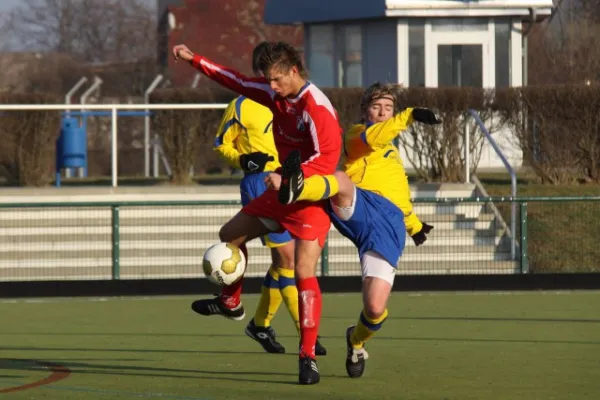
(303, 220)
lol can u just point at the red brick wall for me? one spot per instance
(225, 31)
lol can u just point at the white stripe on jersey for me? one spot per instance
(313, 133)
(261, 86)
(321, 99)
(318, 96)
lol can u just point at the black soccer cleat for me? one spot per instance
(265, 337)
(215, 306)
(292, 179)
(319, 349)
(309, 371)
(355, 358)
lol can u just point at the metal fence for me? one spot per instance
(150, 240)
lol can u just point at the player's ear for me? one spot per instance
(294, 71)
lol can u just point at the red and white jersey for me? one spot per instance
(307, 122)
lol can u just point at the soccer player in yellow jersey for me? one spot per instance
(370, 205)
(245, 140)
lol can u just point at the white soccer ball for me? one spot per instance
(224, 264)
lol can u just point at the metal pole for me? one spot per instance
(116, 244)
(150, 89)
(91, 89)
(513, 180)
(94, 87)
(75, 88)
(155, 146)
(467, 152)
(195, 81)
(325, 258)
(68, 96)
(113, 138)
(524, 240)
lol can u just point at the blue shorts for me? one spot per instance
(377, 225)
(251, 187)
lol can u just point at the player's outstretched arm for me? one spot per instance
(256, 89)
(382, 133)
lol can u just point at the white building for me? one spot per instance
(480, 43)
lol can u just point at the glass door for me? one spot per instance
(459, 54)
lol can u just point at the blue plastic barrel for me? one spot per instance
(72, 145)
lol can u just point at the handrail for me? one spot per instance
(113, 109)
(513, 180)
(179, 203)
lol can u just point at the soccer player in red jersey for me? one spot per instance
(305, 125)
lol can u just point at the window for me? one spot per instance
(502, 34)
(336, 55)
(350, 57)
(322, 56)
(460, 65)
(416, 52)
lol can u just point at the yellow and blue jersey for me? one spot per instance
(246, 127)
(373, 163)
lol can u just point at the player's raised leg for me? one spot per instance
(309, 305)
(378, 278)
(315, 188)
(238, 230)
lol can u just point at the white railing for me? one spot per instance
(114, 108)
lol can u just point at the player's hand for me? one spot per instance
(420, 237)
(255, 162)
(273, 181)
(181, 52)
(425, 116)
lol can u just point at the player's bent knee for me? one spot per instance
(241, 228)
(374, 309)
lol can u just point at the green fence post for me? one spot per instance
(524, 239)
(116, 250)
(325, 258)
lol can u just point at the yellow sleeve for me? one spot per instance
(382, 133)
(229, 129)
(412, 222)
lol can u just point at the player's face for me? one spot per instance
(380, 110)
(283, 82)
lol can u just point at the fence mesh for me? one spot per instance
(151, 241)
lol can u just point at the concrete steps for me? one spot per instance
(168, 242)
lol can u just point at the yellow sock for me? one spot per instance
(366, 329)
(289, 292)
(319, 187)
(270, 299)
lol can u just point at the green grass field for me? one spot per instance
(563, 236)
(433, 346)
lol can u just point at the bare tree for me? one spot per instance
(89, 30)
(567, 50)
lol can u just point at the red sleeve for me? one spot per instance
(256, 89)
(326, 136)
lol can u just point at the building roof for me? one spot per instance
(304, 11)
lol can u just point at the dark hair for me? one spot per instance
(257, 54)
(280, 55)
